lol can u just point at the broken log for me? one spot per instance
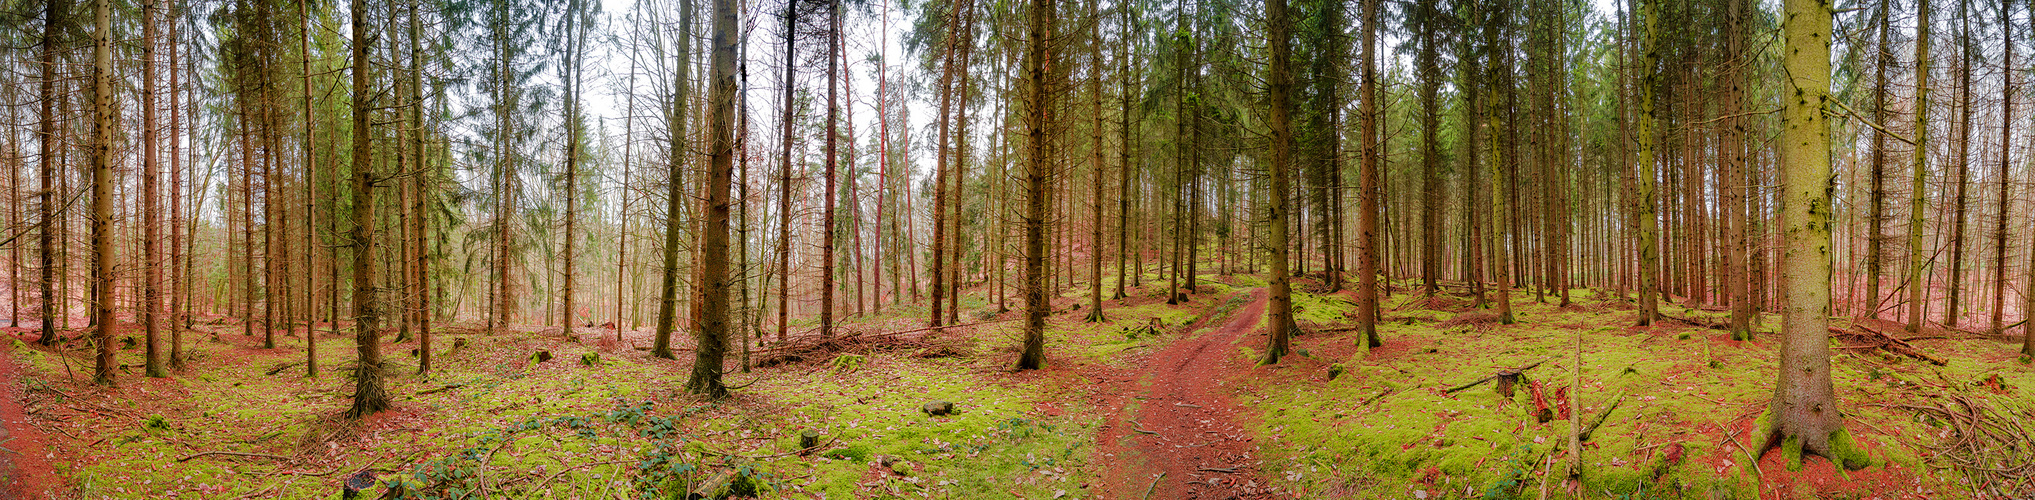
(1541, 410)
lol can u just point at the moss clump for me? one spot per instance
(1792, 447)
(848, 362)
(857, 453)
(1846, 452)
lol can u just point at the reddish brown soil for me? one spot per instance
(25, 471)
(1169, 428)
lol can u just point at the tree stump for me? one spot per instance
(809, 439)
(938, 408)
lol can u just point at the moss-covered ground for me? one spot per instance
(601, 419)
(1685, 399)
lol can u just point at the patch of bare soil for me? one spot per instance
(1169, 431)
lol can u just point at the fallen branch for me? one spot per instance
(1698, 322)
(1876, 338)
(1601, 417)
(236, 454)
(1225, 470)
(1155, 485)
(442, 388)
(1374, 399)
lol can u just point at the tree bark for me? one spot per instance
(1645, 197)
(1095, 242)
(1038, 64)
(104, 120)
(829, 224)
(2006, 163)
(713, 285)
(369, 397)
(151, 299)
(1279, 311)
(1962, 169)
(56, 15)
(1429, 67)
(667, 308)
(1877, 199)
(1367, 211)
(1803, 417)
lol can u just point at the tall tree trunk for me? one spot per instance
(1876, 214)
(421, 183)
(1037, 68)
(784, 179)
(56, 15)
(1367, 211)
(1429, 68)
(1496, 118)
(1918, 264)
(1279, 311)
(571, 76)
(1962, 169)
(667, 308)
(178, 297)
(151, 300)
(1645, 197)
(310, 172)
(1804, 417)
(828, 223)
(1095, 243)
(1736, 266)
(713, 285)
(369, 397)
(2005, 164)
(104, 119)
(1124, 154)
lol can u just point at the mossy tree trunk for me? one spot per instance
(1803, 417)
(1279, 303)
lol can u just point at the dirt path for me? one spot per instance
(1170, 431)
(25, 472)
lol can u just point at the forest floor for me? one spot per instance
(1161, 401)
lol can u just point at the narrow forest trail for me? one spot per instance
(1169, 430)
(25, 471)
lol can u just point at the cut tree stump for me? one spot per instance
(937, 408)
(809, 439)
(714, 486)
(1506, 379)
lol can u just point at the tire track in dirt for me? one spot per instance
(1169, 431)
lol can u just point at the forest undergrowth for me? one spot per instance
(529, 413)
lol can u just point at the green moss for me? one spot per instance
(1846, 452)
(1791, 449)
